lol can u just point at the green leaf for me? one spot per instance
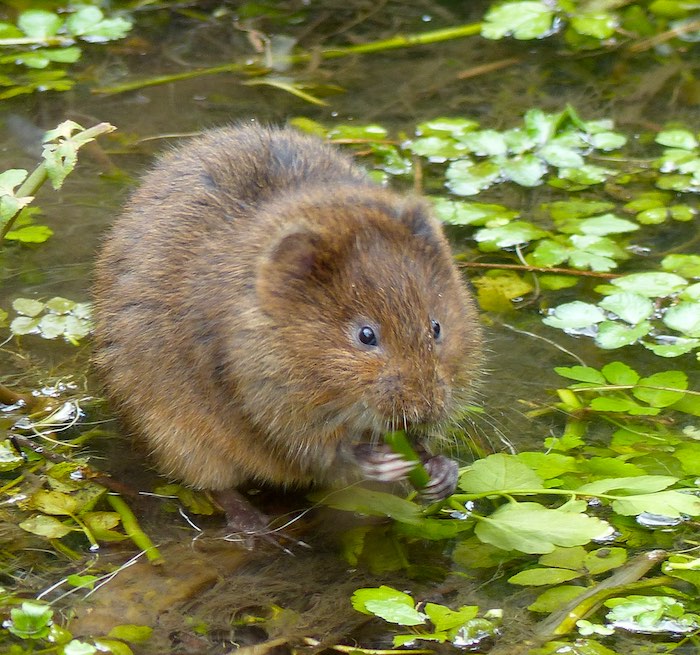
(389, 604)
(499, 472)
(608, 141)
(453, 127)
(540, 577)
(673, 504)
(525, 170)
(90, 23)
(646, 484)
(615, 335)
(599, 25)
(573, 209)
(76, 647)
(459, 212)
(687, 266)
(651, 285)
(30, 234)
(620, 373)
(437, 149)
(682, 139)
(24, 325)
(512, 234)
(554, 599)
(574, 316)
(30, 621)
(581, 374)
(45, 526)
(112, 646)
(443, 618)
(670, 388)
(606, 224)
(624, 405)
(485, 143)
(605, 559)
(27, 306)
(684, 317)
(134, 634)
(39, 24)
(631, 307)
(464, 178)
(531, 528)
(53, 502)
(371, 503)
(522, 20)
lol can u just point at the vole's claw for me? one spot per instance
(444, 475)
(381, 463)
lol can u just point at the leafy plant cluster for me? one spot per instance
(658, 308)
(590, 25)
(39, 41)
(33, 628)
(427, 621)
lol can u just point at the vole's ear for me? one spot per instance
(295, 265)
(417, 217)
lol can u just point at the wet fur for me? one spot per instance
(229, 295)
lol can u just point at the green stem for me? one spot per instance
(28, 188)
(133, 529)
(399, 41)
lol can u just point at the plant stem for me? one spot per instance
(133, 529)
(399, 41)
(540, 269)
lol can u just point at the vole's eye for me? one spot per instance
(367, 336)
(437, 331)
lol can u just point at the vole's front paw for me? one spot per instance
(381, 463)
(444, 474)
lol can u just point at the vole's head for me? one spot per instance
(377, 327)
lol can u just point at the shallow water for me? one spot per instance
(398, 89)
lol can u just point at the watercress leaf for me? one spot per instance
(90, 23)
(459, 212)
(371, 503)
(134, 634)
(453, 127)
(615, 335)
(640, 484)
(31, 620)
(548, 465)
(499, 472)
(624, 405)
(45, 526)
(485, 143)
(651, 285)
(443, 618)
(531, 528)
(560, 156)
(27, 306)
(554, 599)
(464, 178)
(39, 24)
(673, 504)
(687, 266)
(564, 558)
(436, 149)
(682, 139)
(608, 140)
(653, 216)
(684, 317)
(604, 559)
(574, 315)
(581, 374)
(630, 307)
(53, 502)
(512, 234)
(585, 175)
(522, 20)
(661, 389)
(568, 209)
(549, 253)
(682, 213)
(30, 234)
(112, 646)
(620, 373)
(672, 346)
(606, 224)
(539, 577)
(77, 647)
(389, 604)
(525, 170)
(24, 325)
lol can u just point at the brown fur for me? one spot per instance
(228, 299)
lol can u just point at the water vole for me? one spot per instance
(262, 308)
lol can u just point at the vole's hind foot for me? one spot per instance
(444, 475)
(247, 525)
